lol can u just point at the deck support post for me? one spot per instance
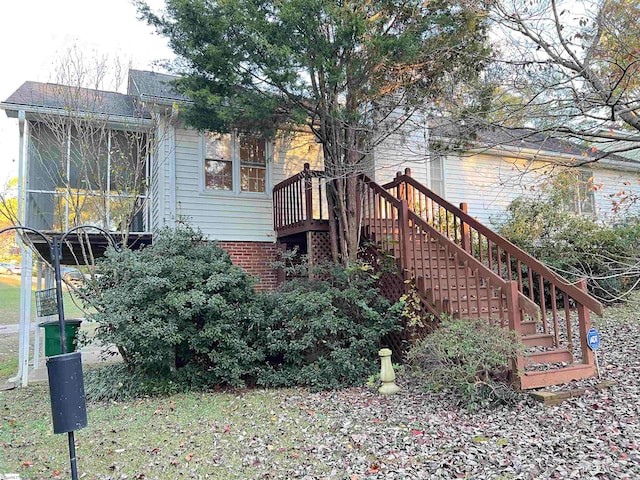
(404, 235)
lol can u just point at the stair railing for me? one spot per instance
(534, 280)
(408, 237)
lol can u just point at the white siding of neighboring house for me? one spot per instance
(489, 183)
(615, 185)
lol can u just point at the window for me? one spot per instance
(253, 164)
(576, 191)
(583, 196)
(235, 163)
(436, 173)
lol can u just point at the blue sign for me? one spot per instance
(593, 339)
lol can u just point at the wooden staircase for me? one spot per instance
(460, 267)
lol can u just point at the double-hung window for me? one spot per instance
(235, 162)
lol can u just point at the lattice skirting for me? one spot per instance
(319, 247)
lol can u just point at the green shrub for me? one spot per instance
(325, 333)
(469, 356)
(178, 309)
(119, 383)
(576, 246)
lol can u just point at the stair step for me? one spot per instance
(559, 355)
(538, 340)
(528, 328)
(556, 376)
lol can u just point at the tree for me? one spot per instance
(8, 217)
(571, 68)
(353, 72)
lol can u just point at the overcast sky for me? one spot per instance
(36, 32)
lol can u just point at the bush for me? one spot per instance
(119, 383)
(469, 356)
(325, 333)
(576, 246)
(178, 310)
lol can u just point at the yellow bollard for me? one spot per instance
(387, 375)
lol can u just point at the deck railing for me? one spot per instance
(533, 279)
(300, 202)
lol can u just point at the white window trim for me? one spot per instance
(236, 190)
(443, 161)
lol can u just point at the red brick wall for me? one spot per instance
(255, 258)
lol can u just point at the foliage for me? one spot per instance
(117, 382)
(469, 356)
(183, 316)
(353, 72)
(325, 333)
(574, 245)
(571, 67)
(178, 308)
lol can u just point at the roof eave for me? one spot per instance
(34, 112)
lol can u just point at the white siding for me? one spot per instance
(160, 178)
(291, 151)
(616, 186)
(408, 147)
(489, 183)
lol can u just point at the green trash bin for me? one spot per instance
(52, 336)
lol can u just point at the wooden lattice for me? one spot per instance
(320, 250)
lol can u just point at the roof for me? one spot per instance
(36, 95)
(526, 140)
(154, 86)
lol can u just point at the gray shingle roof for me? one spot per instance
(153, 86)
(520, 138)
(49, 95)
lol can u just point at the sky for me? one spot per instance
(36, 32)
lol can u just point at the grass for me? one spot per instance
(10, 302)
(224, 435)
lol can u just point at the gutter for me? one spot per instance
(128, 122)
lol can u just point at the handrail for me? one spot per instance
(412, 221)
(508, 247)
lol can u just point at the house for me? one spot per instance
(495, 167)
(127, 162)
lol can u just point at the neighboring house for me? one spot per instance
(496, 167)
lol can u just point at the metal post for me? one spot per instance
(55, 257)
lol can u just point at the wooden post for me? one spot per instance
(464, 230)
(517, 364)
(308, 194)
(584, 325)
(404, 235)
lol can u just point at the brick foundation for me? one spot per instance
(255, 258)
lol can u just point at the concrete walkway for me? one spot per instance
(91, 354)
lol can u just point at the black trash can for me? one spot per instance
(66, 388)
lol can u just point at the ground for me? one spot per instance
(352, 434)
